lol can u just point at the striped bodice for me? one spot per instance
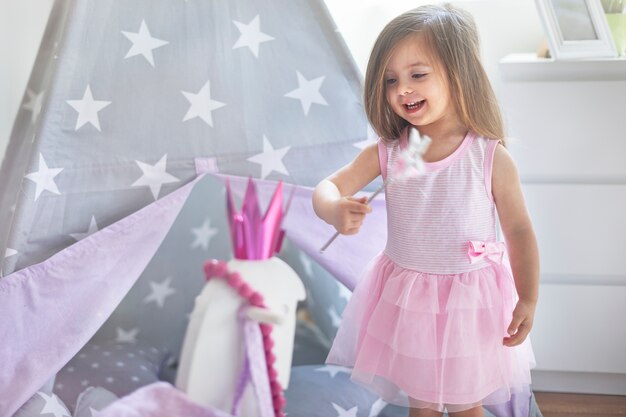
(432, 217)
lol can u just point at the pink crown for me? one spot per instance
(254, 237)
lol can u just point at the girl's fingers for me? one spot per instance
(515, 323)
(361, 200)
(355, 207)
(359, 205)
(517, 338)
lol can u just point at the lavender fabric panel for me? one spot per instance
(257, 367)
(518, 406)
(51, 309)
(158, 400)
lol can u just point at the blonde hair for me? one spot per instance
(452, 38)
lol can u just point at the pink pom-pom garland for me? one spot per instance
(215, 268)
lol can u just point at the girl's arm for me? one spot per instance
(332, 198)
(521, 243)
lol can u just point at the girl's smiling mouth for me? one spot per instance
(414, 106)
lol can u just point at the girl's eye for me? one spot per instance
(418, 75)
(390, 81)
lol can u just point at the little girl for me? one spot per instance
(440, 320)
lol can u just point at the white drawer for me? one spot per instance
(565, 129)
(580, 328)
(581, 229)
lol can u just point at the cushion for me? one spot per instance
(42, 404)
(324, 390)
(92, 400)
(120, 368)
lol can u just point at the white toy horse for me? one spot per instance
(214, 352)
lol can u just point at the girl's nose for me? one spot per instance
(405, 89)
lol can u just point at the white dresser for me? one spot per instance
(567, 121)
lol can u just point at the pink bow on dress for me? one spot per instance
(493, 251)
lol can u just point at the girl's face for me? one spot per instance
(416, 88)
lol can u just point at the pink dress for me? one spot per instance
(425, 324)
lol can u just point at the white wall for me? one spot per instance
(22, 24)
(505, 26)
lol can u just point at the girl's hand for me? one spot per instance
(348, 214)
(522, 322)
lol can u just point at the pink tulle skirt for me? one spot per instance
(433, 341)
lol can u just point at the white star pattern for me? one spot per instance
(88, 109)
(93, 228)
(10, 252)
(308, 92)
(203, 234)
(143, 43)
(306, 263)
(334, 317)
(341, 412)
(270, 159)
(333, 370)
(53, 406)
(154, 176)
(44, 178)
(251, 35)
(159, 292)
(202, 105)
(124, 336)
(35, 100)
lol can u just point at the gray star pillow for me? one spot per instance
(44, 405)
(92, 400)
(324, 390)
(120, 368)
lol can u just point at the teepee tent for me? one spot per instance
(133, 103)
(112, 184)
